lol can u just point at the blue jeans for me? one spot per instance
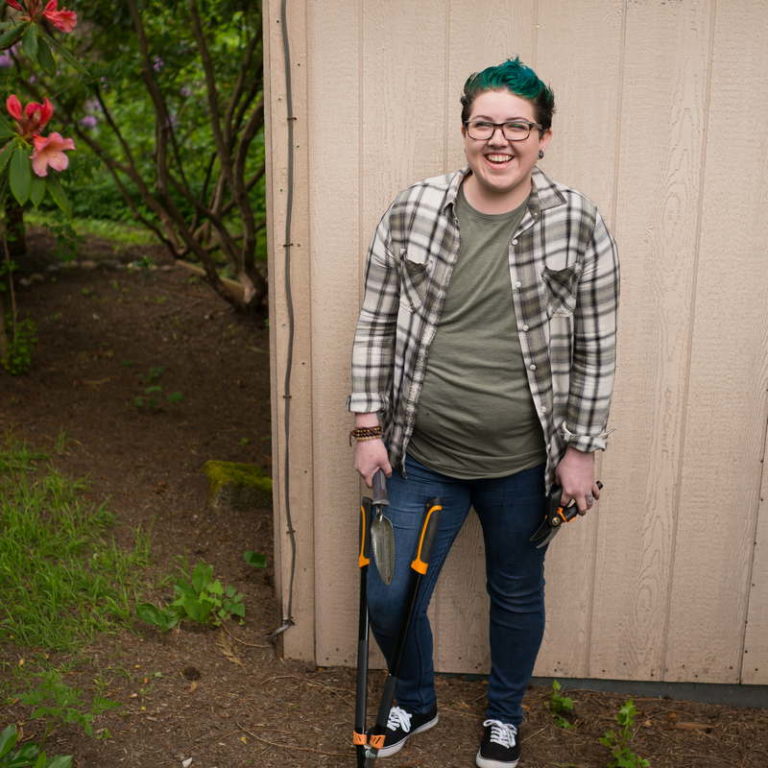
(510, 509)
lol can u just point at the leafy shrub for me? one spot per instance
(28, 755)
(620, 742)
(560, 706)
(199, 598)
(56, 702)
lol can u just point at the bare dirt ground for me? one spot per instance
(222, 697)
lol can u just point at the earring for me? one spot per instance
(541, 154)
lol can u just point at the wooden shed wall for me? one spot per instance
(661, 108)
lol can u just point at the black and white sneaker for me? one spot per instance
(499, 747)
(401, 725)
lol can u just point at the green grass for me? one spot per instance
(109, 230)
(62, 576)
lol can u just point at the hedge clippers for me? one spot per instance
(555, 516)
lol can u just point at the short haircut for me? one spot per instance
(511, 75)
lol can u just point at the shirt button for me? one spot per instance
(543, 408)
(517, 284)
(525, 328)
(514, 242)
(532, 366)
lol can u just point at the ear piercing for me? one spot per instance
(541, 153)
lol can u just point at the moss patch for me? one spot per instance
(237, 485)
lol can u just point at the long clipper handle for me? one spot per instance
(363, 557)
(420, 563)
(380, 497)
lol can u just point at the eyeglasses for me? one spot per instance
(512, 130)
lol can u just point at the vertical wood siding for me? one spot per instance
(660, 107)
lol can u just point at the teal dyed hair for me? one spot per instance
(514, 76)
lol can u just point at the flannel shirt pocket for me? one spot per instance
(561, 290)
(413, 275)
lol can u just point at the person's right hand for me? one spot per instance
(370, 456)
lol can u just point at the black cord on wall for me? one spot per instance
(287, 620)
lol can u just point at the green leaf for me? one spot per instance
(59, 196)
(215, 588)
(199, 610)
(5, 155)
(21, 174)
(24, 756)
(8, 740)
(201, 576)
(42, 761)
(256, 559)
(6, 129)
(10, 36)
(61, 761)
(164, 619)
(37, 191)
(29, 44)
(66, 55)
(45, 57)
(236, 609)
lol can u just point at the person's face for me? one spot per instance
(502, 168)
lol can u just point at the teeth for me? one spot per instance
(499, 158)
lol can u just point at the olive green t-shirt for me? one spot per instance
(476, 417)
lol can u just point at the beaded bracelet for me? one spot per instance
(359, 434)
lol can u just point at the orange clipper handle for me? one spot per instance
(377, 740)
(359, 739)
(420, 563)
(363, 558)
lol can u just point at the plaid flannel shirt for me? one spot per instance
(564, 272)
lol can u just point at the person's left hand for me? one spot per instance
(576, 475)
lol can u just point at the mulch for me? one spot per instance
(222, 698)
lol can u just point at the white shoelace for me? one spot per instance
(502, 733)
(399, 718)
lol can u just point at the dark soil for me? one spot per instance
(222, 697)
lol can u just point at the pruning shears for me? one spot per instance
(555, 516)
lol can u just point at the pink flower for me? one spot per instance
(13, 105)
(61, 19)
(33, 118)
(64, 20)
(49, 151)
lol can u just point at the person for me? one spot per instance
(482, 373)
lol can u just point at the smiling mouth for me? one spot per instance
(498, 159)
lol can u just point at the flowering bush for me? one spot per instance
(26, 155)
(27, 151)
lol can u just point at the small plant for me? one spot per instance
(68, 241)
(57, 702)
(560, 706)
(619, 742)
(199, 598)
(27, 756)
(17, 357)
(153, 394)
(144, 262)
(256, 559)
